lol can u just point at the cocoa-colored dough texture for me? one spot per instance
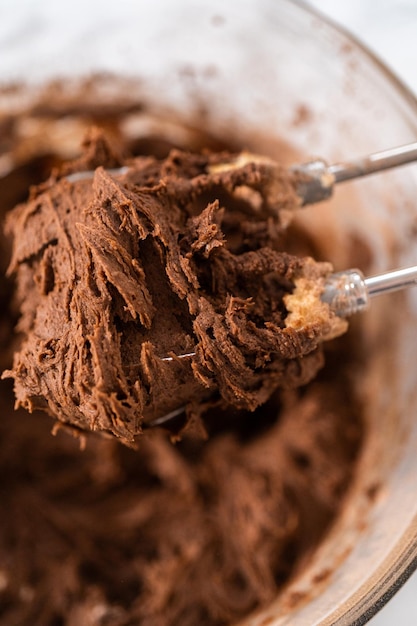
(122, 272)
(111, 272)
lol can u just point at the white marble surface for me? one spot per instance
(389, 29)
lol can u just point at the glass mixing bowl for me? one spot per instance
(274, 73)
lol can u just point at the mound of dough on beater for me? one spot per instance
(118, 269)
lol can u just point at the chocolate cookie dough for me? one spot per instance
(121, 272)
(201, 532)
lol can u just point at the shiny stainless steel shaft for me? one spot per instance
(349, 292)
(391, 281)
(321, 178)
(372, 163)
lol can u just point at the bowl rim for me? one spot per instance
(398, 83)
(401, 562)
